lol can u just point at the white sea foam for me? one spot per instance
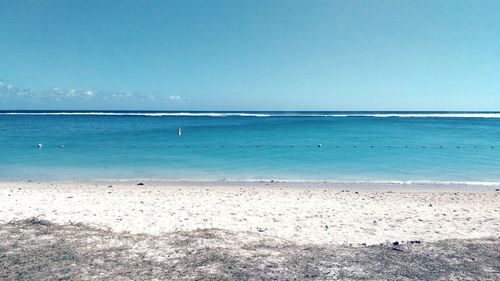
(291, 182)
(272, 114)
(151, 114)
(432, 115)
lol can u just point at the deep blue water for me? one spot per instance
(425, 146)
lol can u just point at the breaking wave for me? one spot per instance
(268, 114)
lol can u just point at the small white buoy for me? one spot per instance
(61, 146)
(39, 145)
(179, 132)
(320, 145)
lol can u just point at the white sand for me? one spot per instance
(319, 216)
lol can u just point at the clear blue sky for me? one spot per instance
(250, 55)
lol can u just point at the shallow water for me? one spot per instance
(418, 146)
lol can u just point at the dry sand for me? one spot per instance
(285, 211)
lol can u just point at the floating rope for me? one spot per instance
(274, 145)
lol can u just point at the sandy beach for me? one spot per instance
(297, 212)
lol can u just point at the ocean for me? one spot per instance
(295, 146)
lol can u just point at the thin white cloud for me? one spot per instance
(10, 94)
(71, 93)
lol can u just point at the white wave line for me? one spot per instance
(242, 114)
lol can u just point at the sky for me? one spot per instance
(250, 55)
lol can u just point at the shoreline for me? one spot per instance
(396, 185)
(423, 185)
(296, 213)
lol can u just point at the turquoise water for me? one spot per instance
(355, 146)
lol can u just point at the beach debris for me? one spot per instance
(414, 242)
(498, 189)
(261, 229)
(39, 145)
(395, 247)
(140, 183)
